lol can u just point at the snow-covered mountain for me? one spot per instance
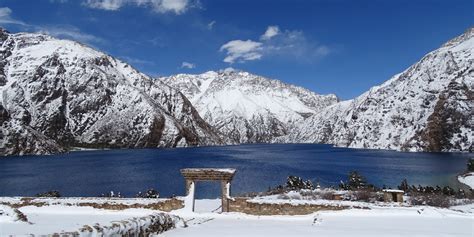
(248, 108)
(58, 94)
(428, 107)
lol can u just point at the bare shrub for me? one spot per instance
(329, 195)
(433, 199)
(363, 195)
(283, 196)
(379, 197)
(112, 194)
(150, 193)
(307, 192)
(51, 194)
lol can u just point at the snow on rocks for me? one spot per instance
(296, 198)
(467, 179)
(246, 107)
(157, 204)
(428, 107)
(138, 226)
(88, 221)
(8, 214)
(59, 94)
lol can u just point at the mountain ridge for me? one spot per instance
(58, 94)
(432, 99)
(246, 107)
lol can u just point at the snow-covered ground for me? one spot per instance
(59, 218)
(379, 221)
(467, 179)
(208, 221)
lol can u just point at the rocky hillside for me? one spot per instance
(248, 108)
(428, 107)
(59, 94)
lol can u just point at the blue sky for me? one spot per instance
(338, 46)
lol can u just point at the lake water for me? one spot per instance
(90, 173)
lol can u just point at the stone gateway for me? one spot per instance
(192, 175)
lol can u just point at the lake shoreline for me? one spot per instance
(92, 148)
(93, 172)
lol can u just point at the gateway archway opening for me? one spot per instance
(193, 175)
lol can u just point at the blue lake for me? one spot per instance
(259, 166)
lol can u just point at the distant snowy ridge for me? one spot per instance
(248, 108)
(428, 107)
(57, 94)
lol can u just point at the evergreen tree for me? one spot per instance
(470, 165)
(356, 181)
(297, 183)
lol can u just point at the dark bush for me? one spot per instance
(355, 182)
(150, 193)
(470, 165)
(446, 190)
(52, 193)
(297, 183)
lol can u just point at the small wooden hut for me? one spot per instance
(393, 195)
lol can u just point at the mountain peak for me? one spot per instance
(247, 107)
(467, 35)
(427, 107)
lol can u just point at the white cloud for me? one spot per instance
(270, 32)
(228, 70)
(211, 24)
(68, 32)
(176, 6)
(110, 5)
(161, 6)
(136, 61)
(188, 65)
(5, 17)
(275, 43)
(241, 51)
(294, 44)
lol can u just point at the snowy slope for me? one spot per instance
(467, 179)
(428, 107)
(246, 107)
(58, 94)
